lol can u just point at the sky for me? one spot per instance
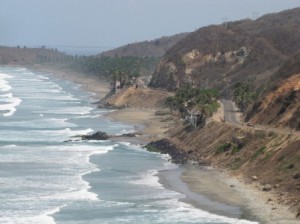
(99, 25)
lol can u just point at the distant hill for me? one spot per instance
(30, 56)
(155, 48)
(220, 56)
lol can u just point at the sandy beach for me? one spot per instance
(211, 190)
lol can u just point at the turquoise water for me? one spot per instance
(46, 180)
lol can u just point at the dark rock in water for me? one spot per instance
(165, 147)
(130, 135)
(99, 135)
(178, 155)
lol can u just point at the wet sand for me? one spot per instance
(203, 190)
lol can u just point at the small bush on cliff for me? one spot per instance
(260, 151)
(223, 148)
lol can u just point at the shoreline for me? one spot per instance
(253, 203)
(192, 182)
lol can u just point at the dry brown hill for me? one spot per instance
(280, 105)
(155, 48)
(222, 55)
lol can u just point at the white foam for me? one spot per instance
(125, 131)
(10, 105)
(180, 212)
(68, 132)
(4, 85)
(80, 110)
(10, 146)
(73, 194)
(125, 143)
(40, 123)
(69, 186)
(5, 76)
(44, 218)
(20, 70)
(103, 150)
(148, 178)
(5, 96)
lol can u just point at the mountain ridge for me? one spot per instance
(156, 47)
(224, 55)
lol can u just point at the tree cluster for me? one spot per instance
(121, 68)
(244, 95)
(204, 100)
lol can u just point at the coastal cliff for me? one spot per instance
(267, 160)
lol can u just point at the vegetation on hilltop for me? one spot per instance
(115, 66)
(153, 48)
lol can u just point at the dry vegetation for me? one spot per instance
(268, 42)
(155, 48)
(281, 107)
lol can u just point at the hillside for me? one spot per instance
(141, 97)
(268, 161)
(280, 105)
(155, 48)
(223, 55)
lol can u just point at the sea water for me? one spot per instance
(46, 179)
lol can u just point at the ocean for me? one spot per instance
(46, 179)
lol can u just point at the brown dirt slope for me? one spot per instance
(280, 104)
(281, 107)
(273, 158)
(138, 97)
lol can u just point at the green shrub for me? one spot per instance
(223, 148)
(236, 149)
(260, 151)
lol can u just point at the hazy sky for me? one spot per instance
(111, 23)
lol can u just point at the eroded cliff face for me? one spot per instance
(281, 107)
(220, 56)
